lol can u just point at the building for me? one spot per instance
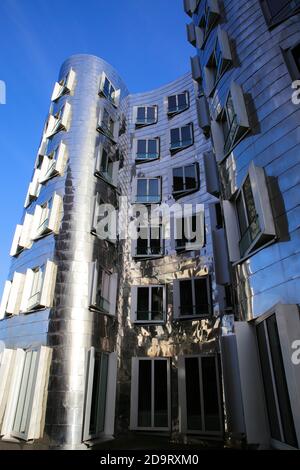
(105, 335)
(247, 56)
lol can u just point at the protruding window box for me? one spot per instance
(210, 16)
(203, 114)
(47, 217)
(189, 234)
(107, 125)
(60, 121)
(194, 35)
(190, 6)
(185, 180)
(147, 190)
(64, 86)
(218, 62)
(277, 11)
(53, 164)
(106, 168)
(181, 138)
(108, 91)
(103, 289)
(196, 69)
(149, 243)
(211, 174)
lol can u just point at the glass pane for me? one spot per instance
(175, 137)
(142, 244)
(142, 190)
(251, 210)
(152, 147)
(155, 242)
(186, 298)
(141, 114)
(157, 303)
(26, 389)
(201, 294)
(102, 393)
(278, 6)
(296, 56)
(172, 105)
(210, 394)
(267, 381)
(192, 387)
(98, 394)
(190, 177)
(153, 190)
(177, 179)
(186, 135)
(243, 224)
(143, 303)
(281, 385)
(106, 87)
(141, 147)
(160, 394)
(151, 114)
(144, 393)
(182, 101)
(104, 161)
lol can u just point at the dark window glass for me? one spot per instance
(152, 148)
(201, 294)
(178, 179)
(141, 147)
(99, 394)
(141, 114)
(186, 135)
(190, 177)
(142, 190)
(172, 105)
(296, 56)
(143, 303)
(267, 381)
(175, 137)
(182, 101)
(278, 7)
(281, 385)
(104, 161)
(151, 114)
(153, 190)
(186, 298)
(243, 224)
(157, 303)
(210, 394)
(160, 394)
(193, 402)
(142, 241)
(219, 215)
(144, 394)
(155, 241)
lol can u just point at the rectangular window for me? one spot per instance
(181, 137)
(208, 18)
(292, 60)
(54, 163)
(247, 217)
(146, 115)
(25, 397)
(147, 149)
(282, 426)
(148, 304)
(189, 233)
(192, 297)
(34, 300)
(276, 11)
(108, 89)
(185, 179)
(106, 166)
(150, 394)
(103, 289)
(64, 86)
(200, 395)
(148, 190)
(95, 394)
(178, 103)
(149, 242)
(218, 62)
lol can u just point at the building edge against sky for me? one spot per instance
(111, 337)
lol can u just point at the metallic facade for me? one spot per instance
(70, 328)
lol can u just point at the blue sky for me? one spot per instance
(144, 40)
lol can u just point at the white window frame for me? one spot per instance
(47, 217)
(145, 123)
(114, 94)
(182, 397)
(179, 144)
(146, 157)
(149, 255)
(60, 121)
(54, 163)
(267, 233)
(134, 394)
(44, 278)
(112, 289)
(134, 303)
(34, 188)
(109, 411)
(64, 86)
(99, 173)
(7, 364)
(184, 191)
(146, 196)
(177, 302)
(178, 110)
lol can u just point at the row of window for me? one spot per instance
(46, 219)
(25, 376)
(30, 291)
(23, 393)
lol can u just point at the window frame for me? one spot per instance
(145, 123)
(96, 270)
(134, 314)
(109, 129)
(113, 94)
(157, 199)
(179, 144)
(208, 19)
(178, 110)
(145, 157)
(181, 193)
(271, 21)
(149, 255)
(135, 394)
(177, 301)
